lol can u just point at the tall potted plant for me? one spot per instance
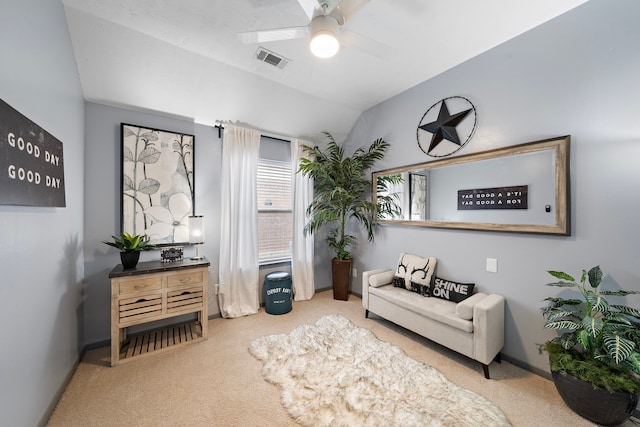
(595, 359)
(342, 193)
(130, 247)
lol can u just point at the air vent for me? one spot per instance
(271, 58)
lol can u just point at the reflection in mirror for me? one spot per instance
(389, 196)
(523, 188)
(418, 195)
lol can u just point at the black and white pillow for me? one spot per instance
(415, 273)
(398, 282)
(401, 272)
(423, 290)
(450, 290)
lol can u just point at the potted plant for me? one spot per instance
(130, 247)
(595, 359)
(342, 193)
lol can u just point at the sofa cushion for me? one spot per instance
(380, 279)
(464, 309)
(434, 308)
(450, 290)
(414, 273)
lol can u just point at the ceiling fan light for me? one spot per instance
(324, 36)
(324, 45)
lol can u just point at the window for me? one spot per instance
(275, 214)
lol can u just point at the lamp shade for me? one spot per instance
(324, 36)
(196, 229)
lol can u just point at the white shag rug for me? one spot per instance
(334, 373)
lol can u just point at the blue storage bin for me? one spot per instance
(277, 292)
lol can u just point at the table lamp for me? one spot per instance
(196, 232)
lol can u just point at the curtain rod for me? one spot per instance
(220, 127)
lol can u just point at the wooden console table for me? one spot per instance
(154, 291)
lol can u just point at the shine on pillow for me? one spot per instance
(450, 290)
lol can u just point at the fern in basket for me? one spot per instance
(598, 342)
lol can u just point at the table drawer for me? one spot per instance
(186, 278)
(184, 299)
(128, 286)
(133, 309)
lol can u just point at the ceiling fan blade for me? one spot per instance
(309, 7)
(367, 45)
(346, 9)
(275, 34)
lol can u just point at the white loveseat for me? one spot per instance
(473, 327)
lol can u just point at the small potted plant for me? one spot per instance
(130, 247)
(595, 359)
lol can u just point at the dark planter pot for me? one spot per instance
(129, 259)
(597, 405)
(341, 275)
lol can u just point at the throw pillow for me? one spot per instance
(398, 282)
(380, 279)
(415, 273)
(450, 290)
(421, 289)
(401, 272)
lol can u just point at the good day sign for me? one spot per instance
(31, 162)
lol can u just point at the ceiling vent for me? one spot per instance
(271, 58)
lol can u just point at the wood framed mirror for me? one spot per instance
(522, 188)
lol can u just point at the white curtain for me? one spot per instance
(302, 246)
(239, 265)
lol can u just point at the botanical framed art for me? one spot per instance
(157, 183)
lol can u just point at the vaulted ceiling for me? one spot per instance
(184, 58)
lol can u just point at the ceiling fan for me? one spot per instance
(325, 29)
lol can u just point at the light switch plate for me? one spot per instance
(492, 265)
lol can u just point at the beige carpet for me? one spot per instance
(218, 383)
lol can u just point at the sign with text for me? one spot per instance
(31, 162)
(515, 197)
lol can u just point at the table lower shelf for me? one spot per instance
(147, 343)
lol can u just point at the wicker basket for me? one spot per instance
(595, 404)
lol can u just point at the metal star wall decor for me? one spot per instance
(446, 126)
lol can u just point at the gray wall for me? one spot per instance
(40, 248)
(577, 75)
(102, 207)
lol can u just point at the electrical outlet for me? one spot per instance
(492, 265)
(354, 272)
